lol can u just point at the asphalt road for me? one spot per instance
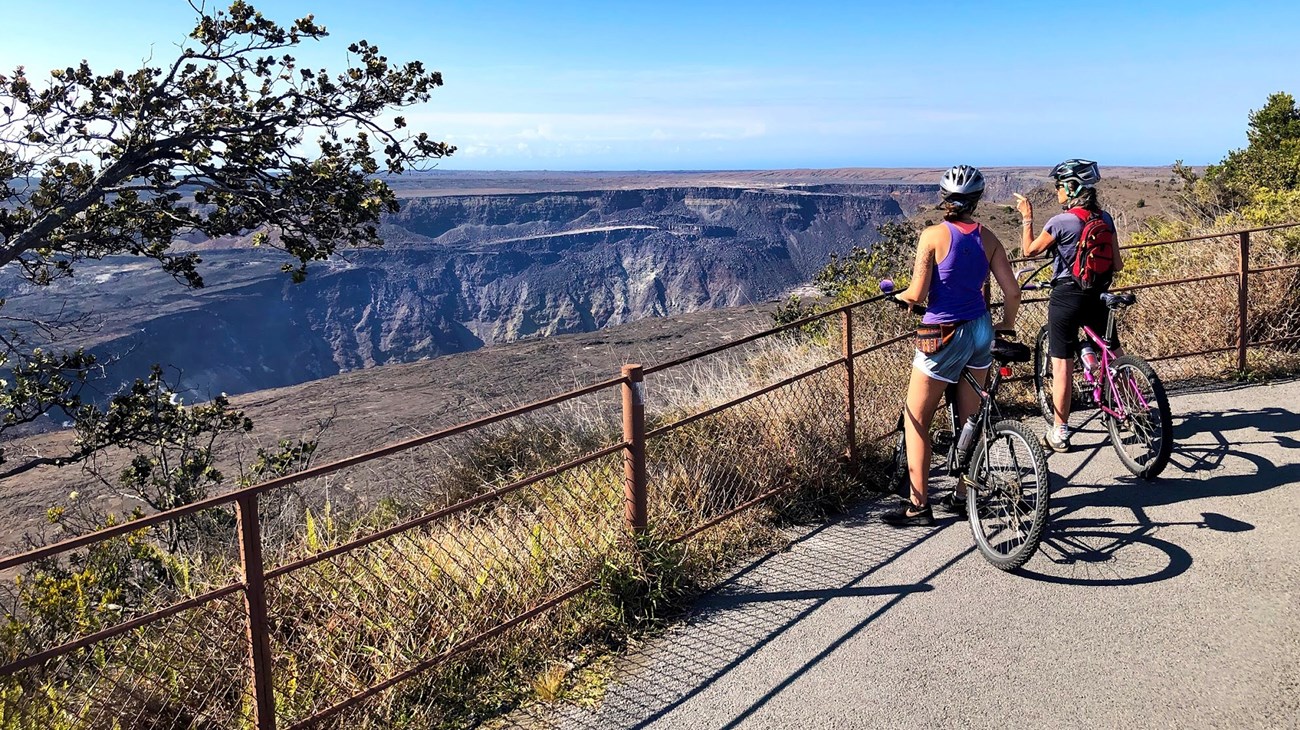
(1173, 604)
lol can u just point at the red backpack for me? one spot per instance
(1094, 256)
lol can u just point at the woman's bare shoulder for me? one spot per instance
(988, 236)
(936, 232)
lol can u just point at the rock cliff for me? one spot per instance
(461, 271)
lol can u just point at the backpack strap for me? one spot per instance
(1082, 214)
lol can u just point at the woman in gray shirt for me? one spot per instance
(1070, 307)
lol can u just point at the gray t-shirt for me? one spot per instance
(1065, 229)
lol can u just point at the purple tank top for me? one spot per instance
(957, 290)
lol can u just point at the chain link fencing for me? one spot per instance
(414, 586)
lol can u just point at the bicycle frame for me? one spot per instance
(1104, 367)
(988, 413)
(1104, 363)
(986, 416)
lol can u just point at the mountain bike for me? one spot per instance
(1131, 397)
(1008, 486)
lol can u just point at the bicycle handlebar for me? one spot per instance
(887, 287)
(1027, 284)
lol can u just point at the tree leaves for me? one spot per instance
(214, 143)
(1270, 161)
(218, 142)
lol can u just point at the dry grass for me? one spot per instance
(1188, 317)
(346, 623)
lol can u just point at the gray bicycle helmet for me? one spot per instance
(961, 188)
(1076, 174)
(962, 181)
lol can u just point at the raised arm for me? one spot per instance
(1030, 246)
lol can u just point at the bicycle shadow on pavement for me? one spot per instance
(1217, 454)
(752, 618)
(1276, 426)
(756, 624)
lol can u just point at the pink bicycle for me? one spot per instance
(1132, 400)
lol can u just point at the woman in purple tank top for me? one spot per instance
(953, 260)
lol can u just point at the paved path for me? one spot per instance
(1167, 605)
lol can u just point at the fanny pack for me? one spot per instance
(931, 338)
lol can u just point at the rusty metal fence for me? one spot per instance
(1232, 297)
(268, 607)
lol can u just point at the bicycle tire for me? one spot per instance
(897, 479)
(898, 482)
(1002, 500)
(1043, 379)
(1156, 439)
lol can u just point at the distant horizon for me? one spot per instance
(578, 85)
(785, 169)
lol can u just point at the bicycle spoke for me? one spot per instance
(1137, 422)
(1143, 437)
(1015, 491)
(1010, 519)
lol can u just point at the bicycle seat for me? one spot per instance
(1006, 352)
(1118, 301)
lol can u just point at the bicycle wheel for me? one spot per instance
(1008, 510)
(1144, 438)
(1044, 379)
(897, 481)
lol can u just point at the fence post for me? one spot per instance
(1243, 310)
(634, 471)
(851, 417)
(259, 640)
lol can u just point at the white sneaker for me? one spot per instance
(1058, 438)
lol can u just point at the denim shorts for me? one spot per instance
(971, 347)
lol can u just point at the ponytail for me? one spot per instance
(1086, 198)
(956, 208)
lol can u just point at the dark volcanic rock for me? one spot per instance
(461, 271)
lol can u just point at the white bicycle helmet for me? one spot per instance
(961, 187)
(962, 180)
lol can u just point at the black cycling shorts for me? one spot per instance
(1069, 309)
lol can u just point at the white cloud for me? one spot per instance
(563, 127)
(685, 116)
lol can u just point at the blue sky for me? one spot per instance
(743, 85)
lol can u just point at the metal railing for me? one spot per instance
(1228, 275)
(295, 622)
